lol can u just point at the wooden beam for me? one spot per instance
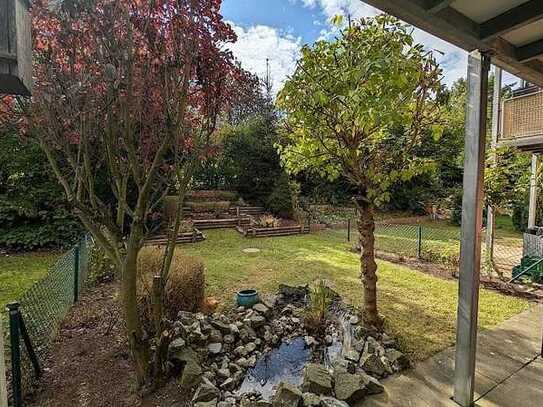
(472, 219)
(512, 19)
(530, 51)
(435, 6)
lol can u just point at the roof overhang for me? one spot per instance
(510, 31)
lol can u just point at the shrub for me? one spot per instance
(209, 206)
(185, 288)
(101, 268)
(212, 195)
(280, 201)
(267, 221)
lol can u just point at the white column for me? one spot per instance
(496, 119)
(532, 208)
(472, 216)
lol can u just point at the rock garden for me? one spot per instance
(301, 347)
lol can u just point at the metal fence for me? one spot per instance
(33, 321)
(439, 244)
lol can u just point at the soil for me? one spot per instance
(89, 365)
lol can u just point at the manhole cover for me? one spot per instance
(251, 250)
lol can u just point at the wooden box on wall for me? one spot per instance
(15, 47)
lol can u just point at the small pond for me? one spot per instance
(283, 364)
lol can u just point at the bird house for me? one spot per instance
(15, 47)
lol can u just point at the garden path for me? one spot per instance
(509, 371)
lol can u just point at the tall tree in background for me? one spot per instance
(128, 92)
(358, 107)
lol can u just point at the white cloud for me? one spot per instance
(256, 43)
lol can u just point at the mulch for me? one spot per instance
(89, 364)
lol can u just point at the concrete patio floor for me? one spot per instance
(509, 371)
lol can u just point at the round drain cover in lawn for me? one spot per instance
(251, 250)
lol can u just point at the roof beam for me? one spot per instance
(530, 51)
(435, 6)
(512, 19)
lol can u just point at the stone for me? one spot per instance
(372, 363)
(223, 373)
(176, 345)
(251, 250)
(214, 348)
(228, 384)
(373, 386)
(227, 403)
(350, 387)
(210, 403)
(354, 320)
(215, 335)
(310, 341)
(311, 400)
(397, 359)
(351, 355)
(328, 339)
(229, 339)
(286, 395)
(241, 350)
(262, 403)
(221, 326)
(250, 347)
(206, 392)
(317, 380)
(257, 321)
(261, 308)
(332, 402)
(242, 362)
(192, 375)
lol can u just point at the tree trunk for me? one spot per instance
(139, 345)
(368, 267)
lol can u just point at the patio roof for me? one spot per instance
(510, 31)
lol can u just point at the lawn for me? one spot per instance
(19, 271)
(419, 309)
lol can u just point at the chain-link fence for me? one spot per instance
(31, 323)
(439, 244)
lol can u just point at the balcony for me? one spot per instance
(522, 121)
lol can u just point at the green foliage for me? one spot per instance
(101, 268)
(248, 162)
(358, 107)
(33, 213)
(315, 316)
(280, 202)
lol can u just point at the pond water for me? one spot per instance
(283, 364)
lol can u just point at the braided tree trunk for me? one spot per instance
(368, 266)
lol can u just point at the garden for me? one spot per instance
(175, 233)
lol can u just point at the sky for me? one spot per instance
(277, 29)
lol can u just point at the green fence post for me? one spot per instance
(349, 229)
(14, 339)
(419, 242)
(76, 272)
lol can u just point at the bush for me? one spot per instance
(212, 195)
(267, 221)
(101, 268)
(185, 288)
(280, 201)
(209, 206)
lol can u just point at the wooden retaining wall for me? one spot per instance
(220, 223)
(269, 232)
(246, 210)
(182, 238)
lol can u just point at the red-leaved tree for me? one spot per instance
(128, 95)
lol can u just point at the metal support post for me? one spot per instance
(532, 209)
(15, 347)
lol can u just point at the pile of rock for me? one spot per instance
(211, 353)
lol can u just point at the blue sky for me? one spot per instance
(276, 29)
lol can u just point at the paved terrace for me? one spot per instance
(509, 371)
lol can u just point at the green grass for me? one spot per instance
(419, 309)
(19, 271)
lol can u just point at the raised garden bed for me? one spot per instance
(184, 237)
(275, 231)
(220, 223)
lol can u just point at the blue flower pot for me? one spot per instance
(247, 298)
